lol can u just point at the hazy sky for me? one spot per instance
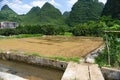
(23, 6)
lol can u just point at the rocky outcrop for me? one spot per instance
(34, 60)
(112, 8)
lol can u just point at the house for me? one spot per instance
(8, 25)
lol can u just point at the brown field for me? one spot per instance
(53, 45)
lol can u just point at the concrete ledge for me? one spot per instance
(110, 73)
(7, 76)
(34, 60)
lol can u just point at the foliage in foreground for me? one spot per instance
(111, 54)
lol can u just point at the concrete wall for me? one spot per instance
(111, 74)
(34, 60)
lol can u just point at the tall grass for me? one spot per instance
(21, 36)
(68, 59)
(27, 35)
(60, 58)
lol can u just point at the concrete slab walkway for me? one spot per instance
(76, 71)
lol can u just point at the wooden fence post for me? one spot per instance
(108, 49)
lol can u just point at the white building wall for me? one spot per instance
(9, 25)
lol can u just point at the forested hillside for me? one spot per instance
(48, 14)
(32, 17)
(81, 12)
(7, 14)
(112, 8)
(84, 11)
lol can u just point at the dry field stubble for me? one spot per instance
(54, 45)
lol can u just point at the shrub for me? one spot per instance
(8, 32)
(88, 29)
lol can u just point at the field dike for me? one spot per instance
(34, 60)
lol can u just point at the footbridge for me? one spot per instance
(82, 71)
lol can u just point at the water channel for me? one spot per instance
(31, 72)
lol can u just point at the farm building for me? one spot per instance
(8, 25)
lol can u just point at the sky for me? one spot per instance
(23, 6)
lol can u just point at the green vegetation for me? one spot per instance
(7, 14)
(84, 20)
(68, 59)
(111, 54)
(35, 29)
(35, 54)
(66, 14)
(50, 15)
(96, 28)
(21, 36)
(8, 31)
(26, 35)
(68, 34)
(91, 28)
(112, 8)
(32, 17)
(84, 11)
(61, 58)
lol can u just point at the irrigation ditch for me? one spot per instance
(58, 66)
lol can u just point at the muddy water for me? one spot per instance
(31, 72)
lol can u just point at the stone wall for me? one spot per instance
(110, 74)
(34, 60)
